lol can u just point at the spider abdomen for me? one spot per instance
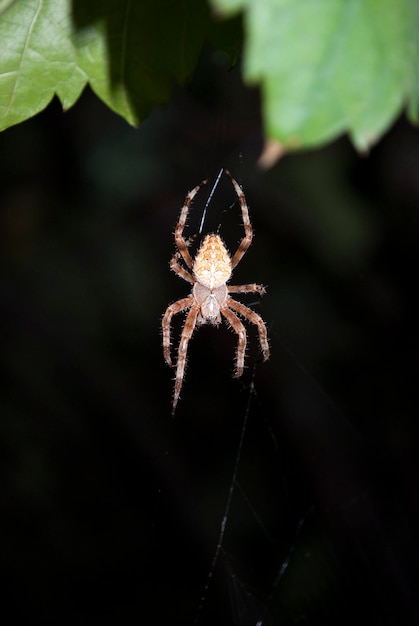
(210, 302)
(212, 265)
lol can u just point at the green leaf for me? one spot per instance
(37, 59)
(131, 52)
(5, 4)
(331, 66)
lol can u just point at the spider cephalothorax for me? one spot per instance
(209, 273)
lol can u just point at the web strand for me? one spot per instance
(204, 212)
(227, 507)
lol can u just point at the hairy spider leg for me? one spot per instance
(248, 231)
(187, 332)
(251, 288)
(172, 310)
(179, 270)
(253, 317)
(238, 328)
(179, 239)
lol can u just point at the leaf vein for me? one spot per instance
(22, 58)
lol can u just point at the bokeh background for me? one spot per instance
(111, 509)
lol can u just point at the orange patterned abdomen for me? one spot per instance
(212, 266)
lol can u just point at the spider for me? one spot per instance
(209, 301)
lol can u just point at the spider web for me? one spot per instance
(247, 608)
(324, 553)
(247, 604)
(309, 547)
(228, 504)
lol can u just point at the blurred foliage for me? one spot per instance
(130, 53)
(325, 68)
(330, 67)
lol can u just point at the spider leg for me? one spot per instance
(171, 310)
(248, 231)
(238, 328)
(253, 317)
(187, 332)
(251, 288)
(179, 238)
(179, 270)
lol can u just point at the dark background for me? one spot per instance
(112, 509)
